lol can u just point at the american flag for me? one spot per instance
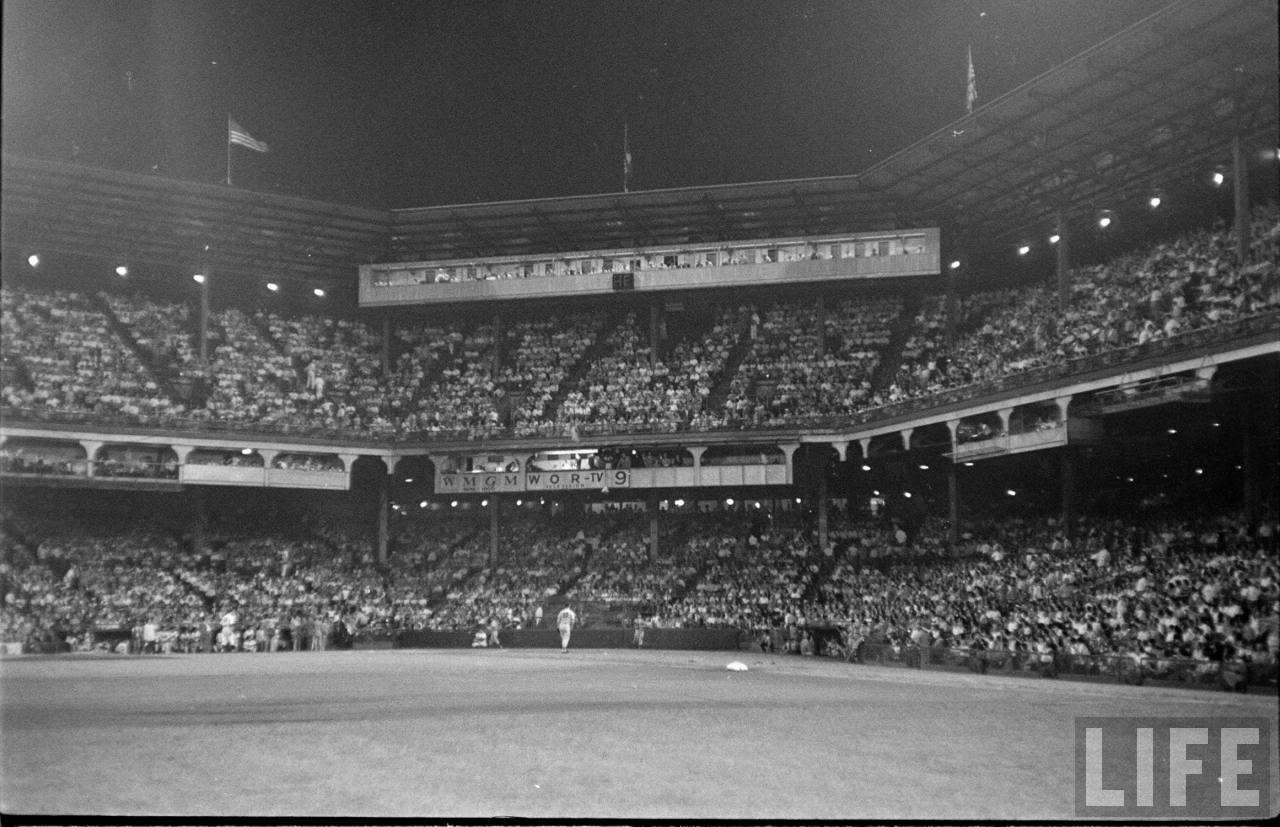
(236, 134)
(971, 89)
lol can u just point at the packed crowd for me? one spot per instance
(758, 364)
(1162, 590)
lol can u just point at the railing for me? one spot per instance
(1266, 323)
(1128, 669)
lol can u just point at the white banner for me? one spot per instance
(473, 483)
(577, 480)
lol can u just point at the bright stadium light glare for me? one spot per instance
(319, 293)
(955, 264)
(122, 271)
(906, 494)
(1105, 218)
(198, 278)
(1219, 177)
(1011, 492)
(1154, 201)
(273, 287)
(33, 260)
(422, 504)
(1055, 238)
(1024, 249)
(453, 504)
(728, 501)
(679, 503)
(246, 451)
(866, 467)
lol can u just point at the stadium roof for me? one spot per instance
(1163, 97)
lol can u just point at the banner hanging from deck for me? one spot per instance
(577, 480)
(473, 483)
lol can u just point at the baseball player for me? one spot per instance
(564, 622)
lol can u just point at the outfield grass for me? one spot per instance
(589, 734)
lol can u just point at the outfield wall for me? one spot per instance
(706, 639)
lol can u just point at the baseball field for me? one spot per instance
(591, 734)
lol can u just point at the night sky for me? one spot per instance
(399, 103)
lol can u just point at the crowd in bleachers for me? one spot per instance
(1157, 590)
(68, 352)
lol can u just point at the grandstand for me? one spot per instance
(931, 415)
(860, 347)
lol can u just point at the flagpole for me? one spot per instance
(626, 159)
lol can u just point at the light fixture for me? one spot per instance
(33, 260)
(1011, 492)
(968, 465)
(906, 494)
(866, 468)
(1156, 199)
(453, 504)
(408, 479)
(319, 293)
(1055, 238)
(1172, 431)
(875, 493)
(955, 264)
(1024, 249)
(1199, 472)
(1219, 176)
(122, 271)
(422, 504)
(273, 287)
(728, 501)
(246, 451)
(1105, 217)
(679, 503)
(924, 467)
(198, 278)
(484, 503)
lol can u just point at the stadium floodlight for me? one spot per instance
(728, 501)
(1155, 200)
(906, 494)
(198, 278)
(422, 504)
(1024, 249)
(924, 467)
(955, 264)
(34, 260)
(679, 503)
(1011, 492)
(1055, 238)
(319, 292)
(1219, 176)
(968, 465)
(1199, 472)
(866, 467)
(122, 271)
(273, 287)
(453, 504)
(1105, 217)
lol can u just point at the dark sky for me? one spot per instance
(401, 103)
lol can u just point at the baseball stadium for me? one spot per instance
(939, 486)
